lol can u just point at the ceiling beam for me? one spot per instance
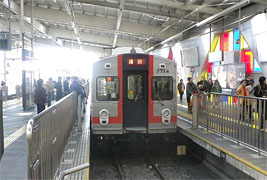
(15, 8)
(92, 38)
(189, 2)
(206, 21)
(118, 24)
(99, 22)
(259, 1)
(180, 5)
(142, 37)
(204, 4)
(69, 9)
(136, 9)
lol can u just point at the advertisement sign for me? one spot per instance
(219, 73)
(229, 75)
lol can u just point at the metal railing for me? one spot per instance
(47, 135)
(73, 170)
(241, 118)
(1, 126)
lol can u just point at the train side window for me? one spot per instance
(135, 87)
(162, 88)
(107, 88)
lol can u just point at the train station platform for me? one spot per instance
(239, 156)
(77, 150)
(15, 142)
(14, 158)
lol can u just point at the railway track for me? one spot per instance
(133, 161)
(151, 165)
(155, 166)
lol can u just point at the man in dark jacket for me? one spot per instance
(58, 87)
(76, 86)
(66, 86)
(40, 96)
(261, 91)
(191, 88)
(203, 84)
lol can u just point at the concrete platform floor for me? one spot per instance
(13, 161)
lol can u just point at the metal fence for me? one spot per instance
(47, 135)
(1, 126)
(241, 118)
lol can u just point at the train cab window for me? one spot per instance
(162, 88)
(107, 88)
(135, 87)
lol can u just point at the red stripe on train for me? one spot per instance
(120, 104)
(150, 102)
(157, 119)
(112, 120)
(117, 120)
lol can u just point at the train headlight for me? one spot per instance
(104, 114)
(104, 117)
(166, 116)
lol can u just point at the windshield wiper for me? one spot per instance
(160, 101)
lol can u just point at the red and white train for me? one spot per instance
(133, 93)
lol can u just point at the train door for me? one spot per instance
(135, 101)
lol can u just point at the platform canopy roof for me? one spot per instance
(111, 23)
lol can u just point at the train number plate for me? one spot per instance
(163, 71)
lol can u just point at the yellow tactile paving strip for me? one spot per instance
(13, 137)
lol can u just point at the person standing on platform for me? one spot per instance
(191, 89)
(50, 91)
(261, 91)
(66, 86)
(216, 88)
(250, 86)
(248, 79)
(244, 102)
(209, 86)
(203, 84)
(4, 92)
(76, 86)
(181, 88)
(58, 87)
(40, 96)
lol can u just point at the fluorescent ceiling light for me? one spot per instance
(149, 49)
